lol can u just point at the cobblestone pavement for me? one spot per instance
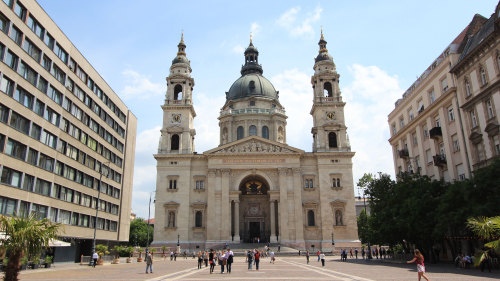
(285, 268)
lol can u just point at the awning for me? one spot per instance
(58, 243)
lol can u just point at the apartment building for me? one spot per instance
(446, 124)
(478, 80)
(426, 127)
(63, 134)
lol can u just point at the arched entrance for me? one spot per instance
(254, 210)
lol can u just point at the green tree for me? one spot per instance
(487, 229)
(139, 233)
(363, 229)
(25, 236)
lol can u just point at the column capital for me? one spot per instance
(212, 172)
(226, 172)
(282, 171)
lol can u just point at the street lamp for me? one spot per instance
(97, 205)
(333, 241)
(149, 218)
(178, 236)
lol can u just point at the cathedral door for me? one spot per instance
(254, 210)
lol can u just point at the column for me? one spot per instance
(225, 207)
(273, 223)
(299, 221)
(211, 212)
(236, 221)
(283, 210)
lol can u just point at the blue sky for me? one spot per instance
(379, 48)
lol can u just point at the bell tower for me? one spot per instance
(177, 132)
(329, 130)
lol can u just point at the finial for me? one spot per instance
(322, 38)
(182, 36)
(250, 37)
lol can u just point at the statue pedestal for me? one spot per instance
(179, 249)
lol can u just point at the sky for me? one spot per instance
(379, 49)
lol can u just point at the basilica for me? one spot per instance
(253, 186)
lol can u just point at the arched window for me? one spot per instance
(467, 88)
(482, 73)
(171, 219)
(198, 219)
(178, 92)
(239, 132)
(174, 144)
(310, 218)
(265, 132)
(338, 182)
(338, 218)
(252, 131)
(327, 88)
(332, 139)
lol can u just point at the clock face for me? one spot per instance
(330, 115)
(176, 118)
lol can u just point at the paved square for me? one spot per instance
(285, 268)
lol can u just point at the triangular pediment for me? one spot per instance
(254, 145)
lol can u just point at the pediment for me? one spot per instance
(254, 145)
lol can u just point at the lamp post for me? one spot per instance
(149, 218)
(97, 207)
(366, 216)
(178, 244)
(333, 243)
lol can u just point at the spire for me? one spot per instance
(251, 60)
(181, 46)
(181, 52)
(323, 51)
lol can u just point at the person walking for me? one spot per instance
(363, 253)
(149, 262)
(279, 247)
(249, 259)
(257, 259)
(222, 261)
(317, 253)
(200, 260)
(419, 259)
(229, 260)
(307, 256)
(356, 253)
(350, 253)
(95, 256)
(272, 256)
(204, 255)
(322, 257)
(211, 257)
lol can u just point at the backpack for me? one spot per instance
(230, 259)
(257, 256)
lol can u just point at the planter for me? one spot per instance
(129, 260)
(100, 262)
(115, 261)
(47, 265)
(139, 259)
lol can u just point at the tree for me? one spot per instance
(363, 228)
(139, 233)
(25, 236)
(487, 229)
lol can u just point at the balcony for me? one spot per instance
(252, 111)
(403, 153)
(439, 160)
(435, 133)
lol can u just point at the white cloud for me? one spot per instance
(145, 170)
(366, 117)
(296, 96)
(238, 49)
(139, 86)
(255, 29)
(299, 27)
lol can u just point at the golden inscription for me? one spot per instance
(252, 161)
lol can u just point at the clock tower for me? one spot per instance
(329, 130)
(177, 132)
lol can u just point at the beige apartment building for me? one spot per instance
(253, 186)
(63, 131)
(445, 125)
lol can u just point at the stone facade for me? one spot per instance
(253, 185)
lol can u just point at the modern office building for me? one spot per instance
(445, 126)
(254, 186)
(63, 131)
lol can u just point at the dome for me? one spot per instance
(251, 85)
(324, 56)
(180, 59)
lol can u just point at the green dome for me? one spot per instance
(251, 85)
